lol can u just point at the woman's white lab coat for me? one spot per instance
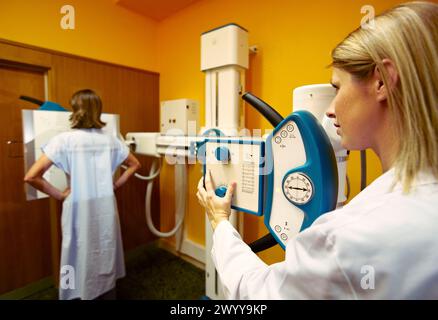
(92, 253)
(382, 245)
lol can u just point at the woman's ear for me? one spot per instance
(382, 89)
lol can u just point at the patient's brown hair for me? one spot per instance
(87, 108)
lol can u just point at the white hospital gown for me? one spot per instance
(91, 238)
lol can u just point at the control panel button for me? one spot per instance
(222, 154)
(283, 236)
(283, 133)
(277, 228)
(277, 140)
(221, 191)
(290, 127)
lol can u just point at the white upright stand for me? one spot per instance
(316, 99)
(224, 58)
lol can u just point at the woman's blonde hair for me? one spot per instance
(87, 108)
(407, 35)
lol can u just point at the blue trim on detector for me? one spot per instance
(269, 185)
(51, 106)
(320, 167)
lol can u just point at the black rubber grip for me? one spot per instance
(263, 243)
(265, 109)
(33, 100)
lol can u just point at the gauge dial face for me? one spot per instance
(298, 188)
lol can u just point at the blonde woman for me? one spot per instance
(384, 243)
(92, 251)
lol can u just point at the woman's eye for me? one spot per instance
(336, 87)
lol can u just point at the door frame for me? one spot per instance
(18, 56)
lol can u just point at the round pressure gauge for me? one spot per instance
(298, 188)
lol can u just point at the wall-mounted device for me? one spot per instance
(179, 117)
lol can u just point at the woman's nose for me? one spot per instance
(331, 111)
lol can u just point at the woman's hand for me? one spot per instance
(65, 194)
(35, 178)
(133, 165)
(218, 209)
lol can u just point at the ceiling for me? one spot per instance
(155, 9)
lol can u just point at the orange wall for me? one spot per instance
(103, 30)
(294, 38)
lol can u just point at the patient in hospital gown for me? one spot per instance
(91, 238)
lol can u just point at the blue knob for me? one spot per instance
(222, 154)
(221, 191)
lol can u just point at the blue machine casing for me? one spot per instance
(51, 106)
(320, 167)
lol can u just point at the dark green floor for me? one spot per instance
(153, 274)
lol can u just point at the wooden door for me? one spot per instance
(25, 233)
